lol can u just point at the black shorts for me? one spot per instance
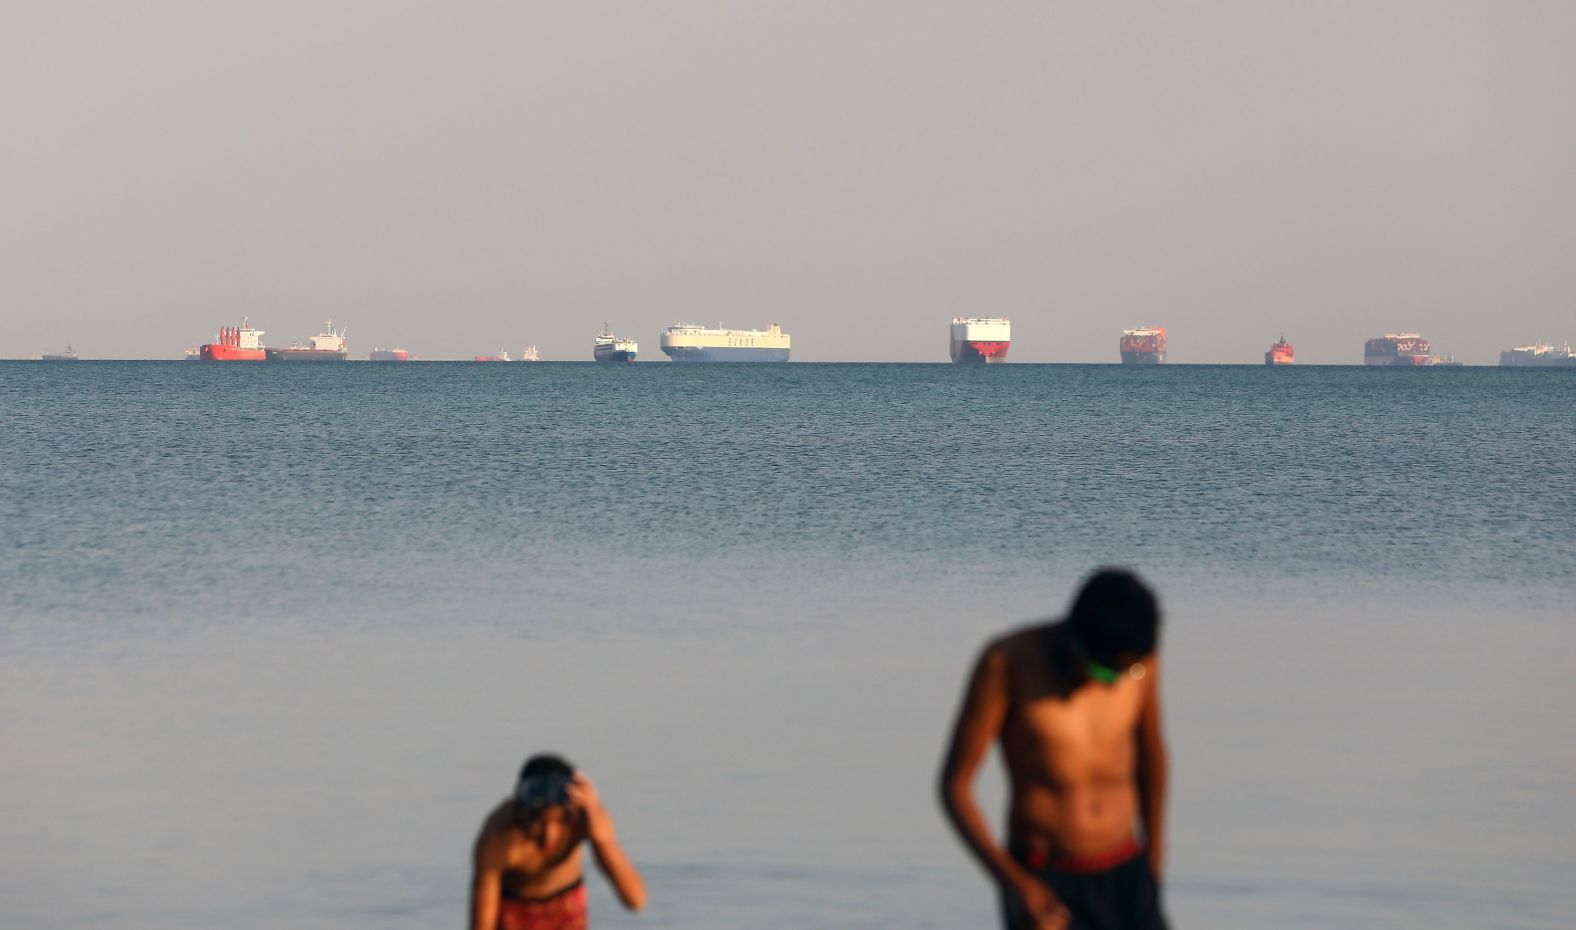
(1123, 897)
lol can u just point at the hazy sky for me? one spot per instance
(459, 178)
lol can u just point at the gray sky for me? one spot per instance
(458, 178)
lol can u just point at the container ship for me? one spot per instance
(980, 340)
(1280, 353)
(326, 346)
(610, 348)
(1538, 355)
(1403, 349)
(388, 355)
(1144, 346)
(687, 342)
(235, 344)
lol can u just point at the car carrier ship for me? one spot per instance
(688, 342)
(235, 344)
(1144, 346)
(1539, 355)
(980, 340)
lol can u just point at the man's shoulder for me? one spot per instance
(1019, 641)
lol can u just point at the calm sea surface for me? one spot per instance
(273, 639)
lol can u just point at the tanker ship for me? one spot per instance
(980, 340)
(389, 355)
(687, 342)
(610, 348)
(235, 344)
(1281, 353)
(1538, 355)
(326, 346)
(1402, 349)
(1144, 346)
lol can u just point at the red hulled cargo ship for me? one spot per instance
(389, 355)
(1281, 353)
(235, 344)
(980, 340)
(1144, 346)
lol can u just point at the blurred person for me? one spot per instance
(528, 869)
(1075, 706)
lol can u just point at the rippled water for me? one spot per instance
(275, 638)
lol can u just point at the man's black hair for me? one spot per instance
(1114, 614)
(546, 763)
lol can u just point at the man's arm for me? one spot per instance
(486, 880)
(610, 856)
(1152, 769)
(979, 721)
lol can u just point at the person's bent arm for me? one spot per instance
(1152, 770)
(979, 721)
(486, 883)
(610, 856)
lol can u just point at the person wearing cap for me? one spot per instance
(528, 870)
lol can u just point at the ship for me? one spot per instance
(1281, 353)
(980, 340)
(388, 355)
(194, 354)
(610, 348)
(1398, 349)
(502, 356)
(530, 354)
(1539, 355)
(1144, 346)
(235, 344)
(688, 342)
(326, 346)
(70, 355)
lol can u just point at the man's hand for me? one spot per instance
(1033, 899)
(583, 798)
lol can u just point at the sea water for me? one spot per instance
(276, 638)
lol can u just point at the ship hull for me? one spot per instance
(613, 355)
(1396, 361)
(1271, 360)
(389, 355)
(1143, 358)
(978, 352)
(303, 355)
(724, 354)
(219, 352)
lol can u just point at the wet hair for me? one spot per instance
(544, 782)
(1115, 614)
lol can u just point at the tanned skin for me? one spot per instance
(1085, 761)
(534, 857)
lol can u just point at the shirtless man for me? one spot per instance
(1076, 706)
(528, 872)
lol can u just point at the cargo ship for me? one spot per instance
(235, 344)
(1539, 355)
(389, 355)
(1280, 353)
(502, 356)
(1144, 346)
(326, 346)
(194, 354)
(980, 340)
(70, 355)
(530, 354)
(610, 348)
(687, 342)
(1400, 349)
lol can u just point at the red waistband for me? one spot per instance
(1083, 865)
